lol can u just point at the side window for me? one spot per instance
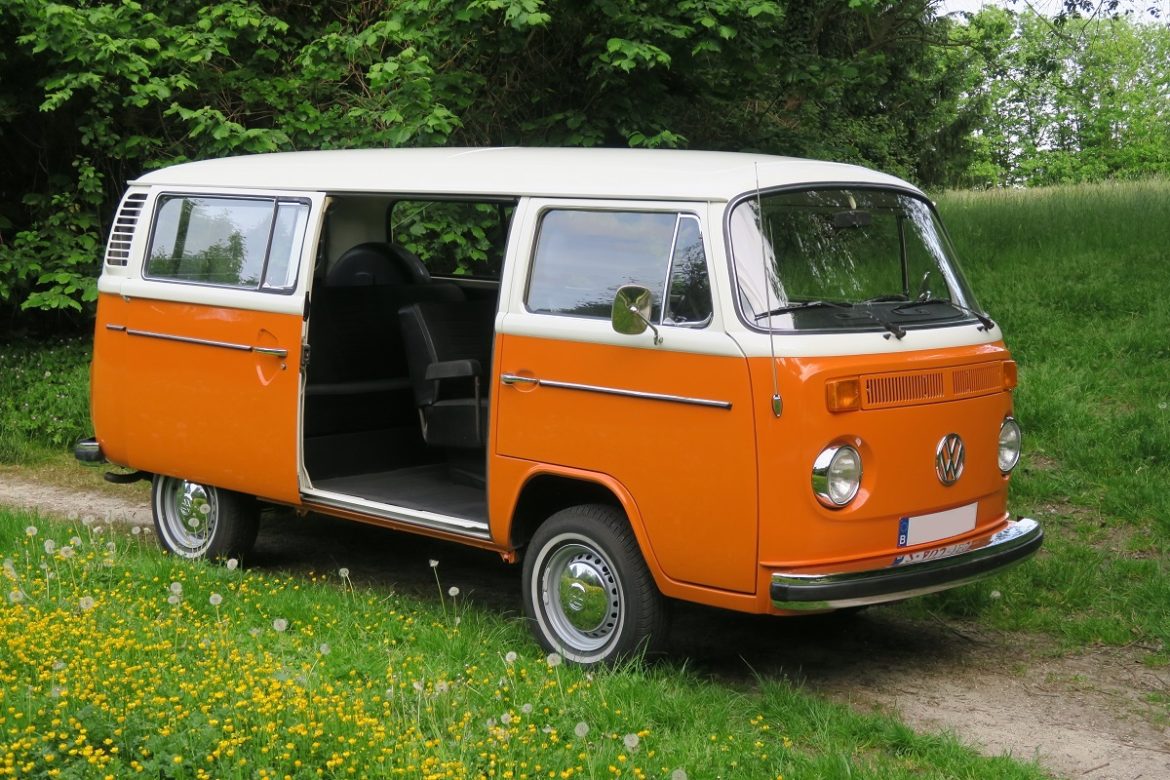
(249, 243)
(454, 238)
(688, 300)
(583, 257)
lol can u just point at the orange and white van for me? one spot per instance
(753, 382)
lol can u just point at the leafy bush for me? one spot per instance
(44, 396)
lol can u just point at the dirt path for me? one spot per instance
(1082, 715)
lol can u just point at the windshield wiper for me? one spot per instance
(984, 320)
(798, 305)
(893, 328)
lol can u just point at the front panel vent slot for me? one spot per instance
(903, 389)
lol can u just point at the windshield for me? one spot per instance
(845, 259)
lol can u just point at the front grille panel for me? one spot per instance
(884, 391)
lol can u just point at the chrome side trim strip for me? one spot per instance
(462, 526)
(274, 351)
(513, 379)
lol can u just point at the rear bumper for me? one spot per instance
(89, 451)
(893, 578)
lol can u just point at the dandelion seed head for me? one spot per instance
(98, 530)
(15, 597)
(442, 686)
(554, 659)
(232, 564)
(433, 563)
(31, 531)
(254, 632)
(56, 691)
(417, 685)
(631, 742)
(75, 541)
(324, 648)
(458, 619)
(88, 520)
(581, 730)
(678, 774)
(136, 530)
(66, 551)
(50, 546)
(995, 595)
(526, 709)
(453, 591)
(205, 509)
(389, 693)
(215, 599)
(1163, 405)
(176, 587)
(510, 657)
(58, 666)
(343, 573)
(506, 718)
(280, 624)
(173, 599)
(111, 547)
(85, 603)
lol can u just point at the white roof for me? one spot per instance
(538, 172)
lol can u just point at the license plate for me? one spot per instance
(930, 555)
(938, 525)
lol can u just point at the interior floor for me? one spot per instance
(427, 488)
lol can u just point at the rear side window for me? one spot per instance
(251, 243)
(583, 257)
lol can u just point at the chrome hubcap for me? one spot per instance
(189, 516)
(583, 596)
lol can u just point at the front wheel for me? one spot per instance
(200, 521)
(587, 592)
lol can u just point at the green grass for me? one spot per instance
(1079, 277)
(117, 660)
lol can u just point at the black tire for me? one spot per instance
(612, 608)
(200, 521)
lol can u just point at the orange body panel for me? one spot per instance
(221, 416)
(897, 445)
(690, 469)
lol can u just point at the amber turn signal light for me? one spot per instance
(1010, 375)
(843, 395)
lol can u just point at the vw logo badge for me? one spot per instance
(948, 459)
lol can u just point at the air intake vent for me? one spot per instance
(118, 248)
(909, 388)
(975, 380)
(903, 389)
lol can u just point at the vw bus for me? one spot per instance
(753, 382)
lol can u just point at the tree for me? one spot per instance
(93, 93)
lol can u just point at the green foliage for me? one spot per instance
(44, 396)
(93, 93)
(1083, 101)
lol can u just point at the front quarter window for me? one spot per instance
(844, 259)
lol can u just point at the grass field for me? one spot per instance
(117, 661)
(1078, 277)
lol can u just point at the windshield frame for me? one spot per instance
(963, 297)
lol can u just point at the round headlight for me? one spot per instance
(1009, 445)
(836, 475)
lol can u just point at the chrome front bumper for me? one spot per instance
(916, 573)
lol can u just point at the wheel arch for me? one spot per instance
(546, 492)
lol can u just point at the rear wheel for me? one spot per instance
(587, 592)
(200, 521)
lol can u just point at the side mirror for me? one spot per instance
(631, 311)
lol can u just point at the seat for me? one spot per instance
(448, 353)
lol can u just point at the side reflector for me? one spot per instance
(1010, 375)
(843, 395)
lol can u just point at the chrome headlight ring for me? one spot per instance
(836, 475)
